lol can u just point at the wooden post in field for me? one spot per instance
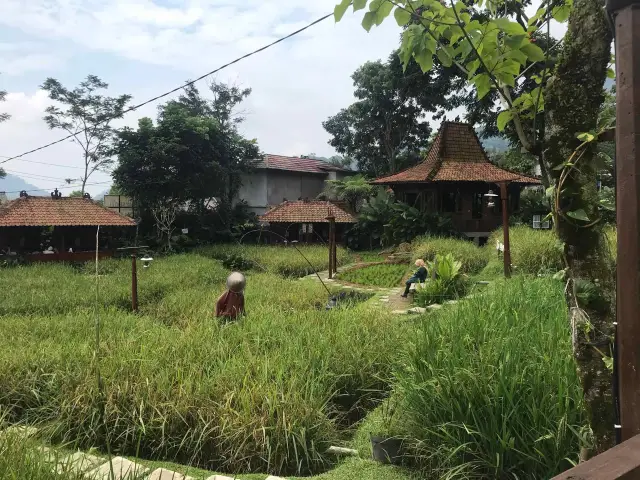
(332, 243)
(504, 197)
(626, 20)
(134, 282)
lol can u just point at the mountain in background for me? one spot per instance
(13, 184)
(495, 143)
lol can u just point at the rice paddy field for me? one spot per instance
(383, 275)
(271, 392)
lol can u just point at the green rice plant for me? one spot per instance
(268, 393)
(490, 388)
(473, 258)
(532, 251)
(287, 261)
(383, 275)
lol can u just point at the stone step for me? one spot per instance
(123, 469)
(164, 474)
(20, 430)
(78, 462)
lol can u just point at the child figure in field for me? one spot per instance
(230, 305)
(419, 276)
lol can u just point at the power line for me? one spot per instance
(60, 187)
(42, 163)
(191, 82)
(35, 175)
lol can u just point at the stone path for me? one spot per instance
(97, 468)
(389, 298)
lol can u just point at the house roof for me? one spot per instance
(307, 212)
(296, 164)
(456, 155)
(58, 212)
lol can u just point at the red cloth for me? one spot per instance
(230, 304)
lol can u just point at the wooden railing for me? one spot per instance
(622, 462)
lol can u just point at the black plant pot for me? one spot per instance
(387, 450)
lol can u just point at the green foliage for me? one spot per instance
(386, 275)
(384, 130)
(490, 389)
(83, 110)
(514, 160)
(268, 393)
(3, 116)
(354, 190)
(449, 284)
(532, 251)
(472, 258)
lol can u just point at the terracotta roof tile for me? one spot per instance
(307, 212)
(66, 211)
(456, 155)
(296, 164)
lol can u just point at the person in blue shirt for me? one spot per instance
(420, 276)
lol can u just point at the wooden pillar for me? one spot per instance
(626, 19)
(332, 241)
(504, 198)
(134, 282)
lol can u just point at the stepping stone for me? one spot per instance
(400, 312)
(163, 474)
(417, 310)
(78, 462)
(435, 306)
(220, 477)
(123, 469)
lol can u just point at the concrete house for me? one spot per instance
(277, 178)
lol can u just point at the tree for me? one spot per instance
(353, 190)
(342, 161)
(185, 160)
(86, 115)
(385, 129)
(3, 117)
(76, 193)
(495, 47)
(514, 160)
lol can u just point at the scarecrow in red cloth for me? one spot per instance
(230, 305)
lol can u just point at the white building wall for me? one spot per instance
(254, 191)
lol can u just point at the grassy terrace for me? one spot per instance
(482, 389)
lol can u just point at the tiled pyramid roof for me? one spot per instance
(296, 164)
(58, 212)
(307, 212)
(456, 155)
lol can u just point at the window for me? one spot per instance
(476, 207)
(451, 202)
(540, 222)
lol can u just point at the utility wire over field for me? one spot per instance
(174, 90)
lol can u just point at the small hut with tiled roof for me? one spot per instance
(307, 221)
(453, 179)
(57, 228)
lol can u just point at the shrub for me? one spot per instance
(532, 251)
(490, 388)
(449, 283)
(385, 275)
(472, 258)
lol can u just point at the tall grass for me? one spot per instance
(269, 393)
(285, 261)
(473, 258)
(490, 388)
(532, 251)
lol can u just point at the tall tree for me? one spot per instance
(3, 117)
(353, 190)
(494, 48)
(183, 160)
(386, 128)
(86, 115)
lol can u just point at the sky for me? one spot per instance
(146, 47)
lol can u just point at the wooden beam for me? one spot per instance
(622, 462)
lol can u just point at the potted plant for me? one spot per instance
(386, 447)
